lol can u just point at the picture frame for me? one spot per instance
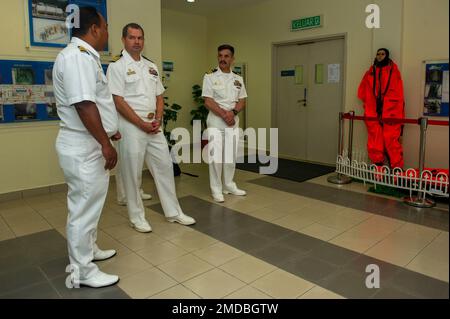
(436, 90)
(47, 21)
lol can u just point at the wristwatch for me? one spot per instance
(235, 112)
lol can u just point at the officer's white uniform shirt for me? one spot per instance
(138, 82)
(78, 76)
(225, 88)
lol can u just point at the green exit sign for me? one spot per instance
(306, 23)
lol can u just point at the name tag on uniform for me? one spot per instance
(131, 72)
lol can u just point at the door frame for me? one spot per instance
(306, 40)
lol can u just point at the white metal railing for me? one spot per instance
(411, 179)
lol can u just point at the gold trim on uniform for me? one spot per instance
(131, 72)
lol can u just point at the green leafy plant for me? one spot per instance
(170, 115)
(201, 112)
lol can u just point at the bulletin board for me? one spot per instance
(436, 91)
(26, 91)
(47, 20)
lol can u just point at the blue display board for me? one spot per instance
(47, 20)
(436, 96)
(27, 76)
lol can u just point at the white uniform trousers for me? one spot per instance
(120, 189)
(223, 162)
(135, 147)
(82, 162)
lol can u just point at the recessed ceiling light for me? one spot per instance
(190, 1)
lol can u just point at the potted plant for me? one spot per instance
(201, 112)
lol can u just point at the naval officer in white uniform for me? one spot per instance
(225, 96)
(138, 94)
(88, 123)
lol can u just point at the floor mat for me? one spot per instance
(292, 170)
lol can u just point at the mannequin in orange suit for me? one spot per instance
(381, 90)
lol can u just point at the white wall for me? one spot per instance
(184, 44)
(27, 157)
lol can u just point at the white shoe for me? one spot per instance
(100, 255)
(182, 219)
(122, 202)
(100, 280)
(218, 198)
(237, 192)
(145, 196)
(142, 226)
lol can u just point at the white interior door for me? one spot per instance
(292, 71)
(309, 102)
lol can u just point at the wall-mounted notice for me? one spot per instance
(334, 73)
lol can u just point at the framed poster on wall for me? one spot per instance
(26, 91)
(436, 94)
(47, 20)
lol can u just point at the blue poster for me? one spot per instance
(24, 82)
(21, 78)
(436, 97)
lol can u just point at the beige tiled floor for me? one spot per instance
(247, 268)
(178, 262)
(161, 253)
(218, 254)
(248, 292)
(185, 267)
(214, 284)
(320, 293)
(403, 245)
(282, 285)
(146, 283)
(176, 292)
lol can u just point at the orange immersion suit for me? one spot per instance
(381, 90)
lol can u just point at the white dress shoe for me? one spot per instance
(100, 255)
(182, 219)
(145, 196)
(100, 280)
(237, 192)
(218, 198)
(122, 202)
(142, 226)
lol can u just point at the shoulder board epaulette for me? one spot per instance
(117, 58)
(148, 59)
(83, 49)
(212, 71)
(236, 73)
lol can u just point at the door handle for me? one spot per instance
(304, 100)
